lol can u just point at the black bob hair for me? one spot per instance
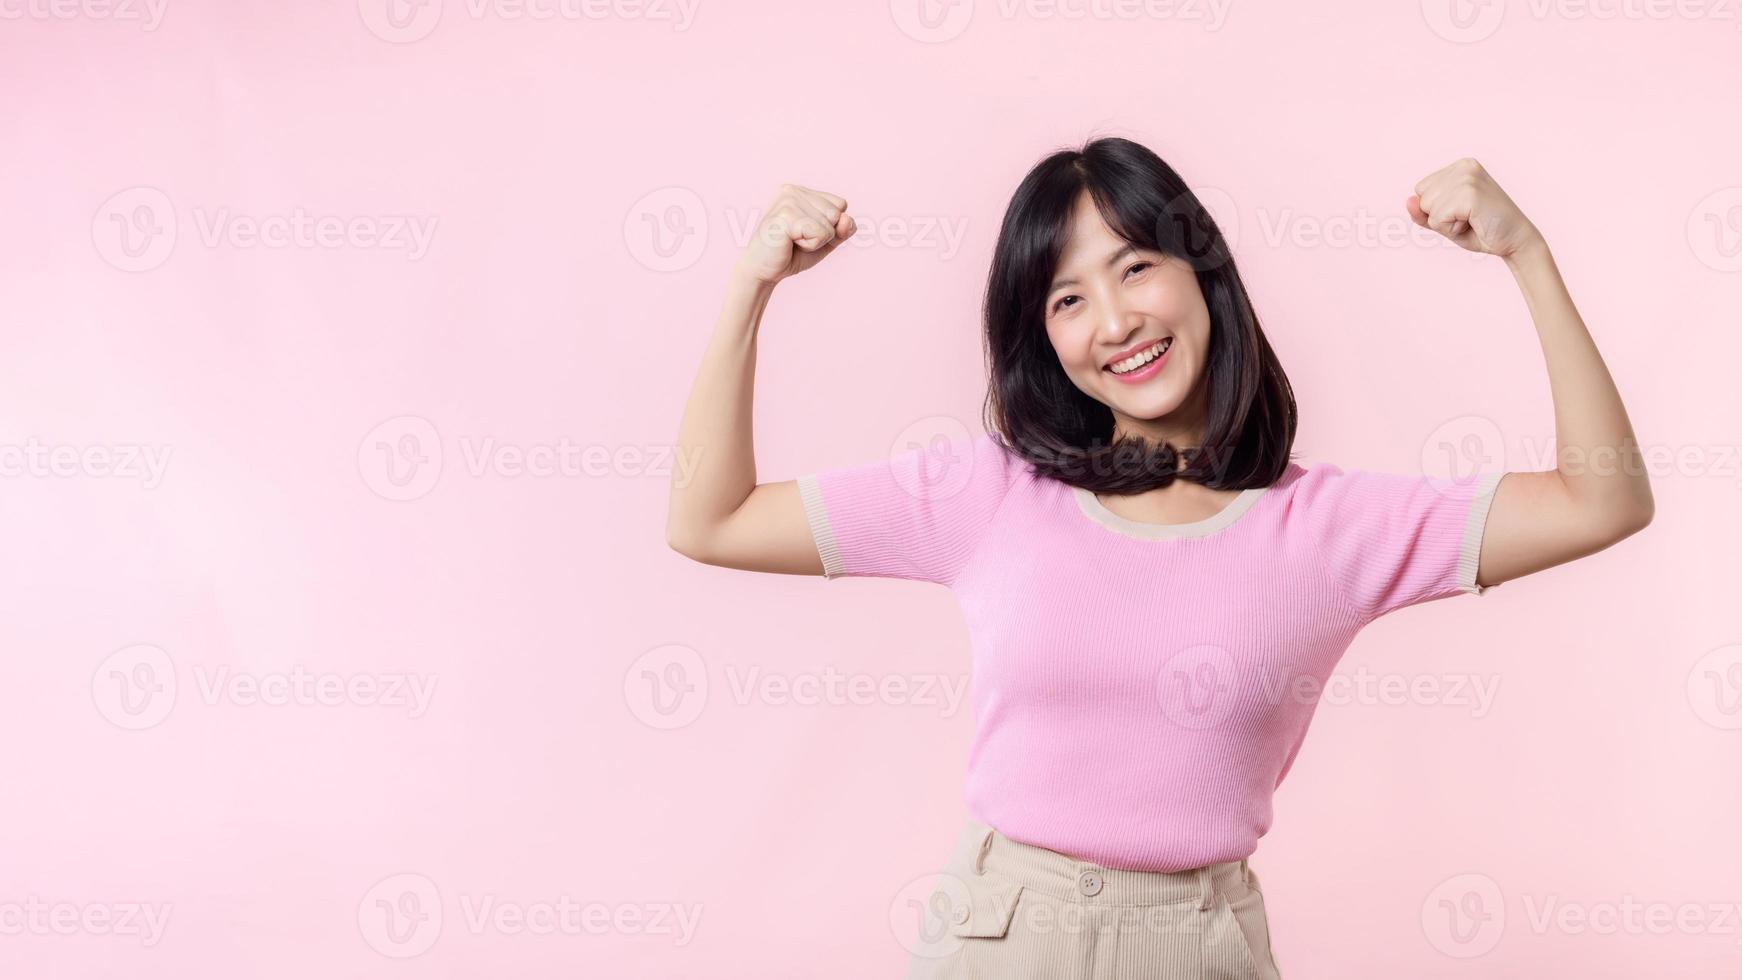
(1034, 409)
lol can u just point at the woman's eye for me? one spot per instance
(1060, 305)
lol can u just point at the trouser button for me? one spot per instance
(1089, 883)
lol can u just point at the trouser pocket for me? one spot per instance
(1237, 936)
(966, 916)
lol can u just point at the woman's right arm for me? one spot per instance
(721, 515)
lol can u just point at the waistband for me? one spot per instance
(1065, 877)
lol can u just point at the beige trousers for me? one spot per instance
(1005, 910)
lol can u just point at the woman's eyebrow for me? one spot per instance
(1058, 284)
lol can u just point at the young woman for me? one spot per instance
(1147, 576)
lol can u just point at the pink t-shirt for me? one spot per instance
(1140, 690)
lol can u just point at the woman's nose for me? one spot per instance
(1119, 322)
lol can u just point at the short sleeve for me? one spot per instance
(1393, 540)
(918, 514)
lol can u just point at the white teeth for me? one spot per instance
(1136, 361)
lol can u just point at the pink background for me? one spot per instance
(345, 414)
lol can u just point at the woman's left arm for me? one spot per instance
(1598, 492)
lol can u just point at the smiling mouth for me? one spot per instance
(1136, 361)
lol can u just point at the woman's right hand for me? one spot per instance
(799, 229)
(720, 514)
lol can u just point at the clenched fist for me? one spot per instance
(799, 229)
(1463, 203)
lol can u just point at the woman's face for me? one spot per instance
(1111, 300)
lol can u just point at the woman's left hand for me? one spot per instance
(1463, 203)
